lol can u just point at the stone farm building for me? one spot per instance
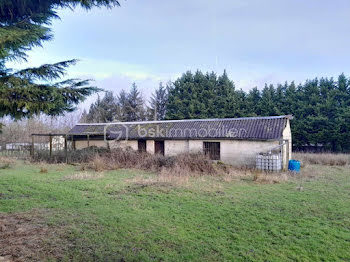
(235, 141)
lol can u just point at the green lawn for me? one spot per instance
(123, 216)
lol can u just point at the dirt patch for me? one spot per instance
(138, 187)
(26, 237)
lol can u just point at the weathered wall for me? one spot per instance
(235, 152)
(175, 147)
(243, 153)
(124, 144)
(195, 146)
(112, 144)
(84, 144)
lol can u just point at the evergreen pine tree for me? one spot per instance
(122, 101)
(202, 96)
(84, 117)
(253, 101)
(131, 105)
(179, 97)
(343, 113)
(158, 103)
(267, 105)
(24, 24)
(226, 100)
(104, 110)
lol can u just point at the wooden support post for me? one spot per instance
(65, 148)
(73, 142)
(88, 140)
(32, 147)
(50, 146)
(105, 138)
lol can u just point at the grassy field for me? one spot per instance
(56, 212)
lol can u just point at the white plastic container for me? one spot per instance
(269, 162)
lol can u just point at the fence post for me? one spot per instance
(65, 148)
(32, 147)
(50, 146)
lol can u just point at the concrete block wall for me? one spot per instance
(243, 153)
(235, 152)
(133, 144)
(83, 144)
(195, 146)
(175, 147)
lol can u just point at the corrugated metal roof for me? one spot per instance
(248, 128)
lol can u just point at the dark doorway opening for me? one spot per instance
(142, 146)
(212, 149)
(159, 147)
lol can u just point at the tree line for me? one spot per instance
(21, 131)
(128, 106)
(321, 107)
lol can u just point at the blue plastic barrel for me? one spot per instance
(294, 166)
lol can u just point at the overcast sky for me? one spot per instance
(156, 40)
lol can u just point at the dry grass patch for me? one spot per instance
(271, 178)
(5, 166)
(311, 172)
(43, 170)
(237, 174)
(327, 159)
(83, 175)
(160, 179)
(6, 162)
(177, 176)
(99, 163)
(307, 173)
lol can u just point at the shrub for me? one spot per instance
(43, 170)
(5, 166)
(186, 163)
(5, 162)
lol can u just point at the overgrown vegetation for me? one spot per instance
(5, 163)
(76, 156)
(132, 215)
(100, 159)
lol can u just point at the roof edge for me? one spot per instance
(186, 120)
